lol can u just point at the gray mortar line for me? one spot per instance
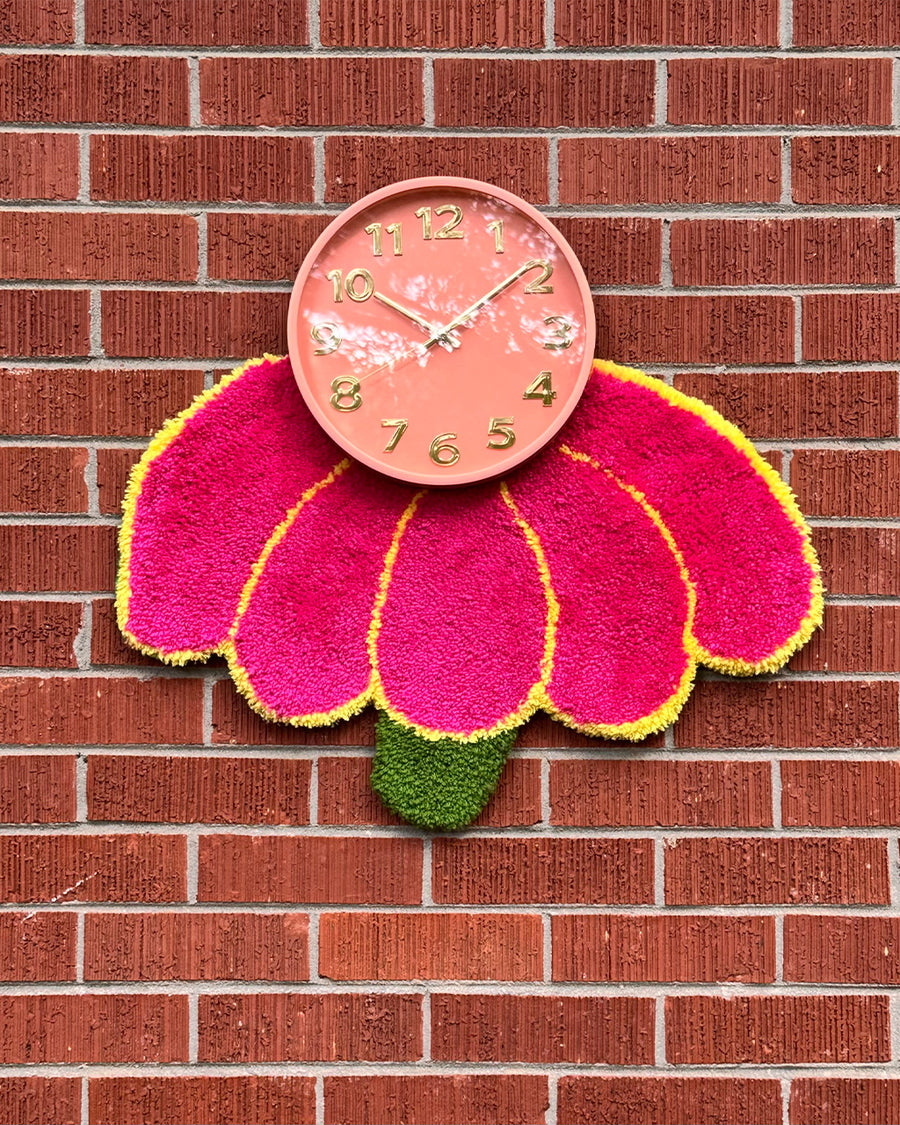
(428, 91)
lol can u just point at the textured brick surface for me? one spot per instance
(42, 479)
(781, 91)
(269, 23)
(549, 870)
(34, 1101)
(431, 23)
(247, 247)
(854, 638)
(646, 947)
(46, 556)
(37, 789)
(108, 646)
(471, 1099)
(39, 165)
(842, 950)
(850, 23)
(818, 1101)
(310, 869)
(38, 946)
(113, 469)
(707, 169)
(376, 1027)
(859, 560)
(369, 946)
(24, 21)
(833, 870)
(614, 250)
(846, 169)
(619, 791)
(248, 1099)
(44, 322)
(196, 947)
(38, 634)
(578, 93)
(840, 794)
(707, 1030)
(831, 482)
(704, 23)
(861, 327)
(212, 790)
(586, 1100)
(235, 724)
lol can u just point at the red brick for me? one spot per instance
(273, 1027)
(846, 169)
(126, 166)
(787, 869)
(246, 247)
(24, 21)
(851, 251)
(854, 638)
(435, 1099)
(168, 946)
(708, 1030)
(37, 789)
(838, 482)
(845, 23)
(644, 947)
(544, 733)
(39, 165)
(431, 23)
(187, 789)
(184, 23)
(779, 91)
(543, 93)
(701, 23)
(35, 1101)
(39, 634)
(368, 90)
(108, 646)
(95, 247)
(820, 1101)
(153, 323)
(503, 869)
(47, 556)
(119, 868)
(99, 1028)
(346, 795)
(586, 1100)
(702, 169)
(100, 711)
(355, 165)
(859, 327)
(113, 469)
(37, 946)
(374, 946)
(789, 713)
(615, 250)
(633, 792)
(829, 794)
(682, 329)
(235, 724)
(371, 870)
(842, 950)
(542, 1029)
(247, 1099)
(859, 560)
(43, 479)
(801, 404)
(128, 403)
(45, 322)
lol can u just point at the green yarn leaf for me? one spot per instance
(438, 784)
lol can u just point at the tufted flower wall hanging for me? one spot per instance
(646, 538)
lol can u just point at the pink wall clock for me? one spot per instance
(441, 330)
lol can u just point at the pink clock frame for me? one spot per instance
(500, 345)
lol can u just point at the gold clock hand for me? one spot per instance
(457, 321)
(418, 351)
(392, 304)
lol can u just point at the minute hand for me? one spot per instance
(472, 309)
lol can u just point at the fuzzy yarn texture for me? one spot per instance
(647, 538)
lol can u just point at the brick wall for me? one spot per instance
(208, 919)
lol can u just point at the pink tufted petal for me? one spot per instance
(743, 540)
(300, 645)
(621, 665)
(463, 626)
(203, 502)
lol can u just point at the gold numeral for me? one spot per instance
(374, 229)
(497, 227)
(400, 430)
(346, 388)
(327, 336)
(562, 336)
(424, 213)
(336, 279)
(340, 286)
(542, 388)
(394, 229)
(502, 428)
(538, 286)
(442, 445)
(448, 230)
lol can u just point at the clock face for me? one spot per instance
(441, 330)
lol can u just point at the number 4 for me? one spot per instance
(542, 388)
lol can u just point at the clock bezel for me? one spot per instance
(438, 478)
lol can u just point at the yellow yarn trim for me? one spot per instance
(536, 695)
(736, 666)
(161, 441)
(229, 649)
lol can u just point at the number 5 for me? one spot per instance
(502, 427)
